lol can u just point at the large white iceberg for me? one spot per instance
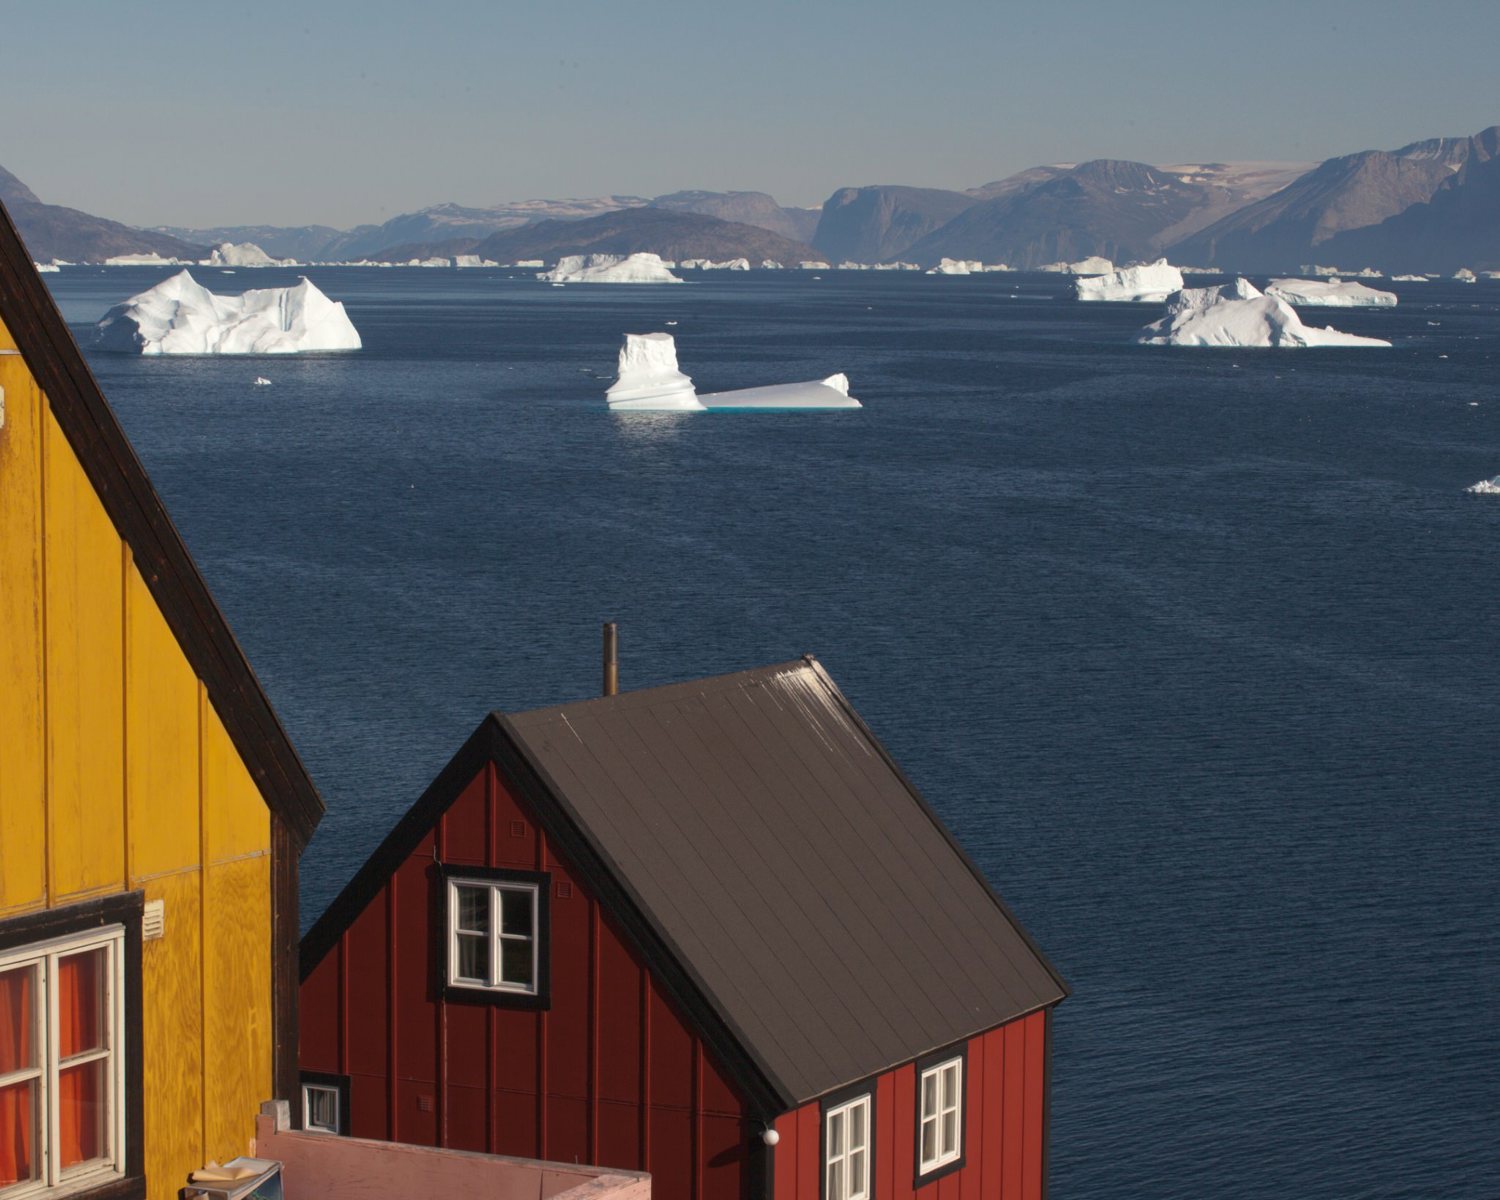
(244, 254)
(649, 380)
(957, 266)
(1329, 293)
(1237, 314)
(181, 316)
(609, 268)
(1152, 281)
(152, 259)
(1092, 265)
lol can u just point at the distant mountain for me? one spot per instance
(1110, 208)
(1019, 182)
(673, 235)
(13, 191)
(748, 208)
(1353, 191)
(872, 224)
(51, 231)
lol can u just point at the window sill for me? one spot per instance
(132, 1187)
(939, 1172)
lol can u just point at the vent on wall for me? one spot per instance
(154, 920)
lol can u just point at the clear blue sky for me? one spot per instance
(346, 111)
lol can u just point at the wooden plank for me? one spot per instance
(973, 1122)
(161, 752)
(905, 1141)
(236, 820)
(23, 772)
(991, 1135)
(237, 1002)
(85, 679)
(7, 342)
(784, 1157)
(1035, 1100)
(172, 1031)
(887, 1122)
(1013, 1131)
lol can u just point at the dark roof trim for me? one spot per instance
(131, 501)
(492, 742)
(937, 821)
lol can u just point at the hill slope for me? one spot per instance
(872, 224)
(673, 235)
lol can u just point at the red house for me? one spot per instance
(708, 931)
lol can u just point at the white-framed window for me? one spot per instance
(846, 1150)
(494, 935)
(941, 1115)
(320, 1108)
(62, 1074)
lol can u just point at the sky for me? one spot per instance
(341, 112)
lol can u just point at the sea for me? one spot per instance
(1197, 651)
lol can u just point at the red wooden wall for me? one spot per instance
(609, 1074)
(1003, 1127)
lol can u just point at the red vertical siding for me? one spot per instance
(610, 1074)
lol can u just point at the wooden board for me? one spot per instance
(236, 820)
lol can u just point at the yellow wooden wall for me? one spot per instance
(115, 774)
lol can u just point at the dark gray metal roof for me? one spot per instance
(818, 901)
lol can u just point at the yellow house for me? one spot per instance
(152, 810)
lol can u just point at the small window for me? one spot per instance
(496, 925)
(62, 1071)
(941, 1119)
(846, 1150)
(320, 1108)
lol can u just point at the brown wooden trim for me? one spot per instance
(284, 977)
(121, 483)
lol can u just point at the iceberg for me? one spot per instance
(1409, 279)
(1093, 265)
(1237, 314)
(814, 266)
(1485, 487)
(649, 380)
(769, 264)
(472, 260)
(853, 266)
(1464, 275)
(244, 254)
(1152, 281)
(46, 267)
(142, 260)
(180, 316)
(530, 262)
(1329, 293)
(957, 266)
(609, 268)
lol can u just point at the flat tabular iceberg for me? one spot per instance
(1409, 279)
(957, 266)
(609, 268)
(650, 381)
(181, 316)
(1153, 281)
(1329, 293)
(1236, 314)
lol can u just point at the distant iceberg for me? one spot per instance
(472, 260)
(1093, 265)
(1329, 293)
(814, 266)
(180, 316)
(46, 268)
(1237, 314)
(1485, 487)
(1464, 275)
(1150, 282)
(530, 262)
(649, 380)
(244, 254)
(769, 264)
(1409, 279)
(142, 260)
(609, 268)
(957, 266)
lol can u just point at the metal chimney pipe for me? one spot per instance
(611, 659)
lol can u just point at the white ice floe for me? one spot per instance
(769, 264)
(244, 254)
(1093, 265)
(1464, 275)
(429, 262)
(262, 381)
(609, 268)
(1237, 314)
(815, 265)
(649, 380)
(530, 262)
(1409, 279)
(180, 316)
(1330, 293)
(896, 266)
(1486, 487)
(472, 260)
(46, 267)
(1148, 282)
(853, 266)
(142, 260)
(956, 266)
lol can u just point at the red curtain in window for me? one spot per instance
(17, 1106)
(80, 1091)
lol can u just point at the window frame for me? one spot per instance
(497, 880)
(113, 923)
(339, 1086)
(929, 1064)
(842, 1102)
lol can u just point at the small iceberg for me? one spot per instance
(1485, 487)
(181, 316)
(1464, 275)
(1149, 282)
(262, 381)
(649, 380)
(1237, 314)
(609, 268)
(244, 254)
(1329, 293)
(957, 266)
(814, 265)
(1409, 279)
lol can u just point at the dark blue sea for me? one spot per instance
(1197, 651)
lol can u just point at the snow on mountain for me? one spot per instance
(181, 316)
(1330, 293)
(1237, 314)
(1152, 281)
(609, 268)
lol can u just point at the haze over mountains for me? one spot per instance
(1428, 206)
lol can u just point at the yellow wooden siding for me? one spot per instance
(23, 844)
(116, 773)
(6, 341)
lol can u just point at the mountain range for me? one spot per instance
(1430, 205)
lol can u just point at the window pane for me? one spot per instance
(835, 1135)
(515, 912)
(950, 1133)
(323, 1108)
(80, 1003)
(929, 1141)
(857, 1116)
(473, 909)
(474, 958)
(515, 962)
(950, 1086)
(17, 1133)
(17, 1019)
(81, 1103)
(929, 1095)
(857, 1173)
(836, 1180)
